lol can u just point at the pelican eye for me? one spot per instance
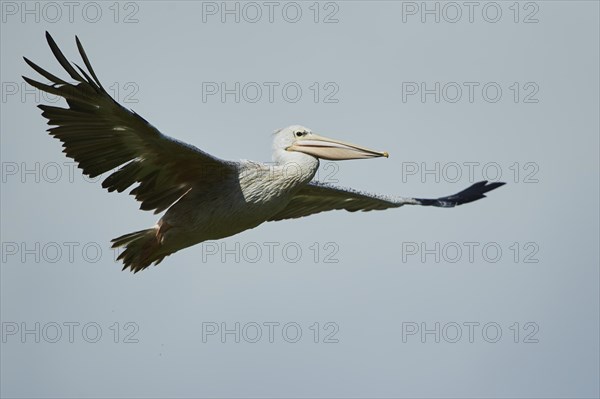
(300, 134)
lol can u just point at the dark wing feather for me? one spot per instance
(318, 197)
(101, 135)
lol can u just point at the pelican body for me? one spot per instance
(251, 195)
(205, 198)
(242, 201)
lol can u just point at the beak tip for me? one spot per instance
(386, 154)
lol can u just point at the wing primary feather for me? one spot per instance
(62, 59)
(87, 78)
(472, 193)
(49, 89)
(87, 63)
(44, 73)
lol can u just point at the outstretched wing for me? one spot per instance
(101, 135)
(318, 197)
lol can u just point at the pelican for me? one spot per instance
(205, 198)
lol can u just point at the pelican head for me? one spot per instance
(298, 138)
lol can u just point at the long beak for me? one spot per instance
(334, 150)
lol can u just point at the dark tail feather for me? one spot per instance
(142, 248)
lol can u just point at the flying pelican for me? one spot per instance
(206, 198)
